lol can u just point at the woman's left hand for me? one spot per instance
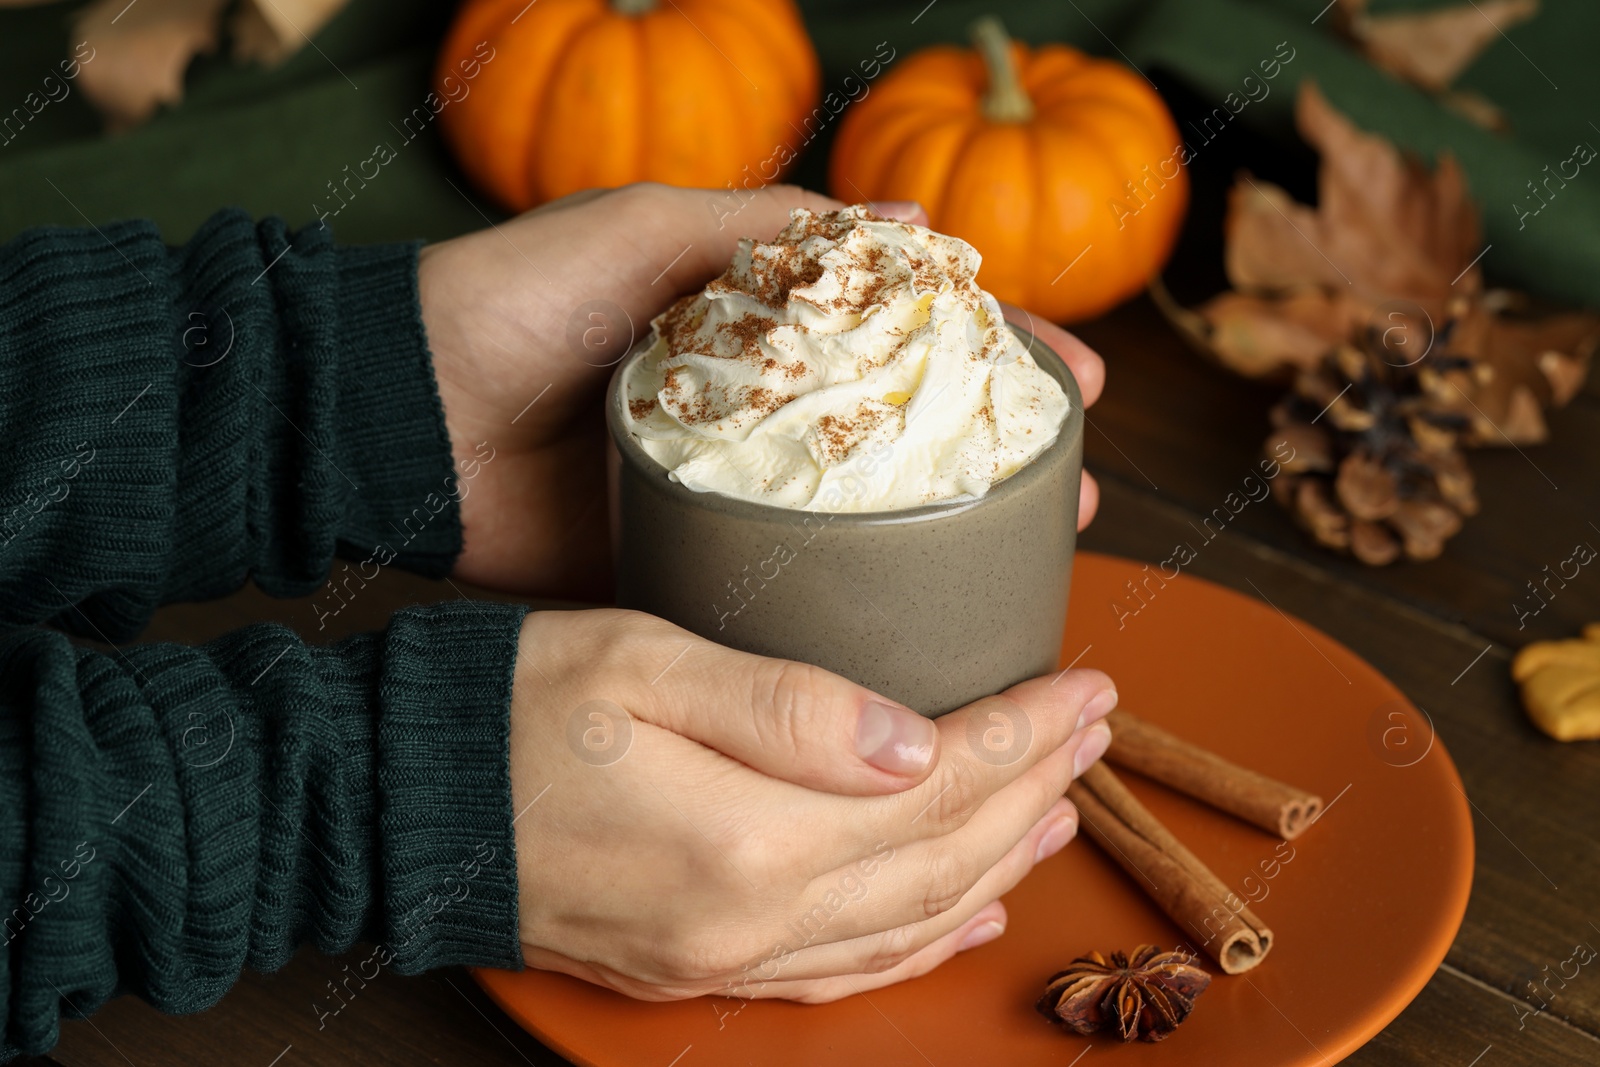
(525, 321)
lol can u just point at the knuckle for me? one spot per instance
(617, 628)
(622, 641)
(642, 202)
(999, 730)
(1077, 687)
(725, 850)
(960, 793)
(692, 959)
(894, 948)
(946, 883)
(614, 651)
(744, 849)
(788, 192)
(788, 698)
(642, 194)
(798, 195)
(636, 624)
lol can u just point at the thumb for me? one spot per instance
(793, 721)
(639, 247)
(707, 224)
(722, 217)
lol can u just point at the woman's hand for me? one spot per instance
(525, 321)
(694, 820)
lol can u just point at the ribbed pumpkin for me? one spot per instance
(579, 94)
(1035, 157)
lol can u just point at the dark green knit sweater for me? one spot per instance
(177, 422)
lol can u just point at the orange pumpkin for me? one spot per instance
(1064, 171)
(576, 94)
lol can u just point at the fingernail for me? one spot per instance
(1094, 744)
(894, 739)
(1102, 705)
(1055, 839)
(899, 210)
(982, 935)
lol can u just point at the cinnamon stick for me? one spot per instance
(1182, 886)
(1274, 806)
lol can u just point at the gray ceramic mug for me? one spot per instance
(933, 606)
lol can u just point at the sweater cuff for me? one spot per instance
(392, 434)
(444, 787)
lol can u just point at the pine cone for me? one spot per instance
(1378, 290)
(1375, 468)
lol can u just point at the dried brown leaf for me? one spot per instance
(1272, 241)
(1399, 357)
(1393, 229)
(1549, 355)
(1522, 422)
(1389, 251)
(1565, 375)
(270, 31)
(1257, 336)
(142, 52)
(1476, 109)
(1522, 366)
(144, 49)
(1431, 48)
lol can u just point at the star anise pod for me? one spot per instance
(1145, 996)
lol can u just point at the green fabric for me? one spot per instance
(179, 421)
(1549, 248)
(270, 140)
(272, 156)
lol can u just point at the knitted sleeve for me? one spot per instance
(170, 815)
(180, 420)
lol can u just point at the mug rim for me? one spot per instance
(631, 451)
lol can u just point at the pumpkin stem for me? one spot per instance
(634, 7)
(1006, 100)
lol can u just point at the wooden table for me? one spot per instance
(1172, 437)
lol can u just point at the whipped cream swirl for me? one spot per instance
(850, 365)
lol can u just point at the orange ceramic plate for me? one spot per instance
(1364, 904)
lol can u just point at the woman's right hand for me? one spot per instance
(695, 820)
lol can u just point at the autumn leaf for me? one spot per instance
(1372, 304)
(1390, 243)
(1392, 247)
(1431, 48)
(270, 31)
(144, 48)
